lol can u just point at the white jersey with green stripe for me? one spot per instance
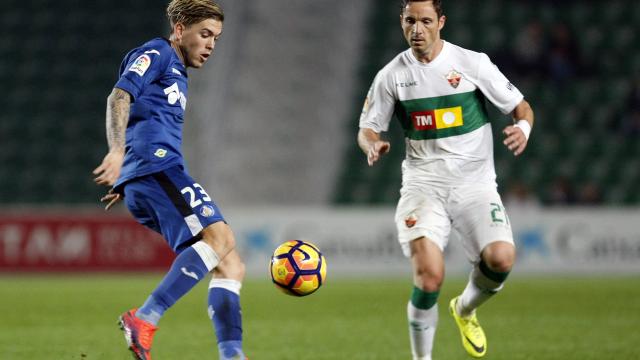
(441, 108)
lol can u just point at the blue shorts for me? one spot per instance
(173, 204)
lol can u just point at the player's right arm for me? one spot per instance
(372, 145)
(376, 115)
(118, 104)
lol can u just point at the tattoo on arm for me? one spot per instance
(118, 104)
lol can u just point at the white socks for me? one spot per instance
(479, 289)
(228, 284)
(422, 328)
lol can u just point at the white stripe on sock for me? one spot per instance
(228, 284)
(206, 253)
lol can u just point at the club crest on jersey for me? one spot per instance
(141, 64)
(454, 77)
(411, 220)
(367, 102)
(365, 107)
(207, 210)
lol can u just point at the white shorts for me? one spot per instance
(475, 212)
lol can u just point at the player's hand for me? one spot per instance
(111, 198)
(377, 149)
(109, 171)
(514, 139)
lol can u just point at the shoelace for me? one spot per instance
(145, 335)
(475, 326)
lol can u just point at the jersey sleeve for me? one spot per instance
(496, 87)
(379, 104)
(140, 68)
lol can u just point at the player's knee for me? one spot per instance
(500, 256)
(430, 285)
(225, 239)
(502, 265)
(428, 280)
(229, 240)
(220, 237)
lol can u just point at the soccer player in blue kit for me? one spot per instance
(146, 169)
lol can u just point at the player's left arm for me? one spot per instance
(517, 135)
(508, 99)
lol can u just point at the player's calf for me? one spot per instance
(188, 268)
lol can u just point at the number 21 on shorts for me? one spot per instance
(498, 214)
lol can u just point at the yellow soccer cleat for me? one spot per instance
(473, 338)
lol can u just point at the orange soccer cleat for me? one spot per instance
(138, 334)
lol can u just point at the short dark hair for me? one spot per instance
(437, 4)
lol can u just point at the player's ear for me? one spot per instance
(178, 29)
(441, 22)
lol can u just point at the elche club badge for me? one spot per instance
(454, 77)
(411, 220)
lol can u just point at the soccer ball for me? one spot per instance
(298, 268)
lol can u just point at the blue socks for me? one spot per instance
(225, 313)
(189, 267)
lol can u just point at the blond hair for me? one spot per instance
(188, 12)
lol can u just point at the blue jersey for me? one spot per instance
(157, 81)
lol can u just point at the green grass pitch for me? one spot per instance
(74, 317)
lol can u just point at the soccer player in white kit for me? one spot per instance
(437, 90)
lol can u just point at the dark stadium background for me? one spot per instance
(577, 63)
